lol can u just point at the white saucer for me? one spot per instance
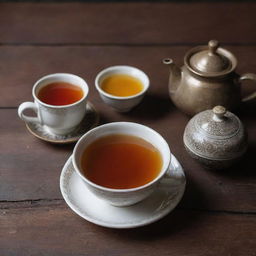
(89, 121)
(153, 208)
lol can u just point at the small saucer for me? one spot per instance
(90, 120)
(156, 206)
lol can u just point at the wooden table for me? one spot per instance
(217, 213)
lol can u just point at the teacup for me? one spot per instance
(120, 103)
(122, 197)
(56, 119)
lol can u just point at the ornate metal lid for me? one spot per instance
(218, 123)
(211, 60)
(216, 134)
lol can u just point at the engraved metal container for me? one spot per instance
(216, 138)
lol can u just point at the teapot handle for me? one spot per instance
(248, 76)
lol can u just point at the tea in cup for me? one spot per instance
(122, 162)
(122, 87)
(59, 102)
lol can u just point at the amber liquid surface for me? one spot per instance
(122, 85)
(121, 162)
(60, 93)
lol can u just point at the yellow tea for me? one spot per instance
(60, 93)
(122, 85)
(121, 162)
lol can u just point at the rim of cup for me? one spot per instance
(165, 166)
(122, 69)
(84, 87)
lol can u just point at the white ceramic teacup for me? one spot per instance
(122, 104)
(61, 119)
(123, 197)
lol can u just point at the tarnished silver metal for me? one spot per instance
(207, 79)
(216, 138)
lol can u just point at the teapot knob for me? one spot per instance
(219, 112)
(213, 46)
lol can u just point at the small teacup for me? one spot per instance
(123, 197)
(56, 119)
(120, 103)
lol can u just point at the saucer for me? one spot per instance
(89, 121)
(156, 206)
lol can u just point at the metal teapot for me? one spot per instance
(207, 79)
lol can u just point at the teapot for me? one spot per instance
(207, 79)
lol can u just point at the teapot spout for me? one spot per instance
(175, 75)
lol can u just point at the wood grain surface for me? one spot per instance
(127, 23)
(55, 230)
(217, 215)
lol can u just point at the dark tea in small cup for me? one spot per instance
(59, 102)
(60, 93)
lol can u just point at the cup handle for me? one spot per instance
(173, 176)
(248, 76)
(28, 105)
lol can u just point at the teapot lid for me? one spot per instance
(211, 60)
